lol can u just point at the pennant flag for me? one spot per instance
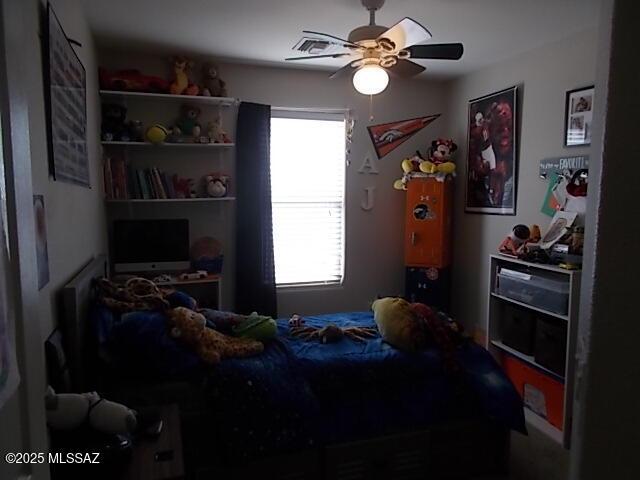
(386, 137)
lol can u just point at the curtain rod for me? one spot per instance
(311, 110)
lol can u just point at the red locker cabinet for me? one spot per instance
(428, 223)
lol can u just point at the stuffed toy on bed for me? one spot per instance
(398, 324)
(189, 328)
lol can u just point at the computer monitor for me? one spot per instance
(150, 245)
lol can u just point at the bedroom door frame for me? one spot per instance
(23, 416)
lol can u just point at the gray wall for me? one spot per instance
(75, 215)
(544, 75)
(374, 249)
(606, 419)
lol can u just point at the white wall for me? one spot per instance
(374, 249)
(606, 418)
(75, 215)
(543, 76)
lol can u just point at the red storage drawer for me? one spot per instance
(542, 394)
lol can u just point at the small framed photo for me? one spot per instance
(578, 117)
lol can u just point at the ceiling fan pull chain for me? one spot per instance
(370, 108)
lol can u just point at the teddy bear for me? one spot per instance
(212, 84)
(187, 125)
(68, 411)
(184, 187)
(216, 185)
(189, 328)
(439, 162)
(215, 132)
(113, 122)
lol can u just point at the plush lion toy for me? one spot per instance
(398, 324)
(189, 328)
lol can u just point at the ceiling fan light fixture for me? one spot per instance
(370, 79)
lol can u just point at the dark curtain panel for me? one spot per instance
(255, 269)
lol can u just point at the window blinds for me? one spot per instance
(307, 195)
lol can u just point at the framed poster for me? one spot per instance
(491, 154)
(65, 87)
(578, 116)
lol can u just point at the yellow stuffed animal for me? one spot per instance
(398, 324)
(211, 346)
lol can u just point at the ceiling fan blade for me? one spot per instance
(333, 39)
(311, 57)
(439, 51)
(406, 68)
(342, 71)
(406, 32)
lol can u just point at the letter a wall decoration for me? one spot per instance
(386, 137)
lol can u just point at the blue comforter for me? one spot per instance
(299, 394)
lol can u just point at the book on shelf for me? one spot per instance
(108, 178)
(124, 182)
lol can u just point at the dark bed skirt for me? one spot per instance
(454, 450)
(462, 450)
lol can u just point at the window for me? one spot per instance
(307, 195)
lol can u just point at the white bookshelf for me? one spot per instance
(173, 200)
(495, 312)
(207, 216)
(169, 145)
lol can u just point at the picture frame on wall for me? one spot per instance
(66, 104)
(578, 117)
(492, 153)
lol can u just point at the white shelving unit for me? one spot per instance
(169, 145)
(173, 200)
(207, 216)
(495, 345)
(148, 147)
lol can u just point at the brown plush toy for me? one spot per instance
(189, 327)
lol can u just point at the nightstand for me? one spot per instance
(159, 458)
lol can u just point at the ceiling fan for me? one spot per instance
(373, 50)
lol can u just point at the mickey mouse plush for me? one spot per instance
(439, 162)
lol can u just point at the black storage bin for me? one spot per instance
(518, 329)
(551, 344)
(430, 286)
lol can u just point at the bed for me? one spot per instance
(302, 410)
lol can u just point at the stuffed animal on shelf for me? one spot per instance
(216, 133)
(134, 131)
(439, 162)
(184, 187)
(68, 411)
(398, 324)
(212, 84)
(157, 133)
(188, 327)
(187, 125)
(113, 122)
(514, 242)
(181, 84)
(216, 185)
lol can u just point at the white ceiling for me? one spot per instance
(263, 31)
